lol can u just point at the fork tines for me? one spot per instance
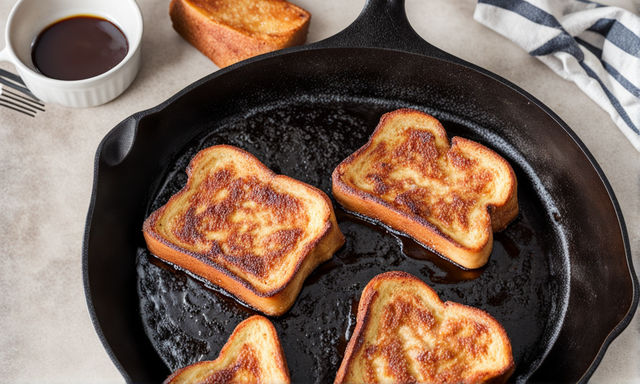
(25, 103)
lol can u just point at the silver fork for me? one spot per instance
(25, 102)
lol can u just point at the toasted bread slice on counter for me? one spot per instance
(238, 225)
(405, 334)
(450, 198)
(251, 355)
(228, 31)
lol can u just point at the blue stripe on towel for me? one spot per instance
(563, 42)
(592, 48)
(526, 10)
(635, 91)
(618, 34)
(614, 101)
(628, 85)
(596, 5)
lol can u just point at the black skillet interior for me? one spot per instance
(301, 113)
(306, 139)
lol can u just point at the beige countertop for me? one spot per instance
(46, 176)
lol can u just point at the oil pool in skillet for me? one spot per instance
(78, 47)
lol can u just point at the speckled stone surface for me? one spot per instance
(46, 171)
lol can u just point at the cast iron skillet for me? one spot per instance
(560, 278)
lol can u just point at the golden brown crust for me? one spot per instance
(247, 360)
(233, 265)
(449, 351)
(228, 31)
(462, 174)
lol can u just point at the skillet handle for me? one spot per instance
(115, 147)
(384, 24)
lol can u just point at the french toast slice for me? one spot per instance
(252, 354)
(448, 197)
(405, 334)
(228, 31)
(238, 225)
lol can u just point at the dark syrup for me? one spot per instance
(78, 47)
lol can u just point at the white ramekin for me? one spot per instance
(29, 17)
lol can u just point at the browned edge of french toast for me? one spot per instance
(225, 45)
(279, 359)
(364, 315)
(376, 208)
(273, 302)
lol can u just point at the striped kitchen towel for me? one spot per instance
(595, 46)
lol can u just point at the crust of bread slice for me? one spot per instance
(252, 354)
(448, 197)
(228, 31)
(405, 333)
(241, 227)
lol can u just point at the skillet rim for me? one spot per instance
(134, 120)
